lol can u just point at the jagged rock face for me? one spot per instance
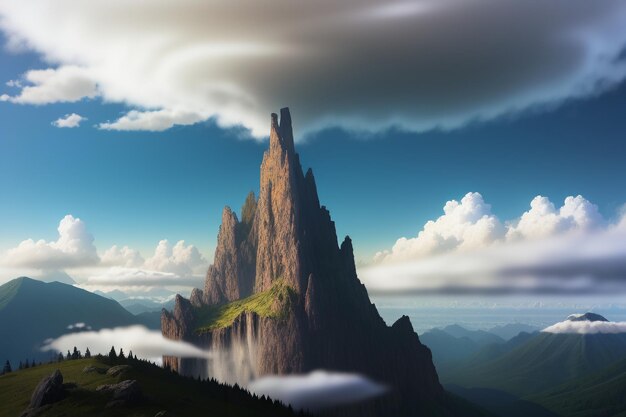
(331, 324)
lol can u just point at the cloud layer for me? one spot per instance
(586, 327)
(436, 63)
(146, 344)
(569, 249)
(317, 390)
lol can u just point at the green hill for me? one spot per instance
(32, 311)
(162, 391)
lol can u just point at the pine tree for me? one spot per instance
(130, 355)
(112, 354)
(20, 366)
(69, 355)
(87, 353)
(33, 364)
(7, 368)
(76, 353)
(26, 364)
(121, 355)
(60, 357)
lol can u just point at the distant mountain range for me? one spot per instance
(541, 374)
(32, 311)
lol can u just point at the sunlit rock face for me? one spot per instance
(324, 320)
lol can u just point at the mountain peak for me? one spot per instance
(586, 317)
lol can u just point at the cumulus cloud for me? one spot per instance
(180, 259)
(144, 343)
(587, 327)
(451, 61)
(74, 247)
(570, 249)
(53, 85)
(543, 219)
(69, 120)
(468, 224)
(317, 390)
(122, 256)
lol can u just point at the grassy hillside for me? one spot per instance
(540, 363)
(162, 390)
(32, 311)
(269, 303)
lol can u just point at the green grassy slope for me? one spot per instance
(32, 311)
(269, 303)
(162, 389)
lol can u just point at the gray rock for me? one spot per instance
(126, 392)
(49, 390)
(118, 370)
(93, 369)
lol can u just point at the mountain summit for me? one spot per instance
(586, 317)
(283, 297)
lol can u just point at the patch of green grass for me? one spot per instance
(272, 302)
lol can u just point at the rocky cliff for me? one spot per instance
(283, 297)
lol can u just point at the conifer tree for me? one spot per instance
(112, 354)
(7, 368)
(121, 355)
(87, 353)
(60, 357)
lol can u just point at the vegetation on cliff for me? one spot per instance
(272, 302)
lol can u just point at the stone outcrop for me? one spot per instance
(330, 323)
(125, 393)
(49, 390)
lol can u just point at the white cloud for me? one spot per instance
(124, 257)
(144, 343)
(470, 225)
(156, 120)
(570, 249)
(317, 390)
(180, 259)
(586, 327)
(543, 220)
(238, 60)
(465, 225)
(74, 247)
(53, 85)
(69, 120)
(127, 277)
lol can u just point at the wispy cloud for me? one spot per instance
(144, 343)
(317, 390)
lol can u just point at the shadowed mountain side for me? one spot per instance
(282, 297)
(32, 311)
(541, 362)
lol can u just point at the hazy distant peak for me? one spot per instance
(586, 317)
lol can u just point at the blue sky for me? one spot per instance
(175, 121)
(135, 188)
